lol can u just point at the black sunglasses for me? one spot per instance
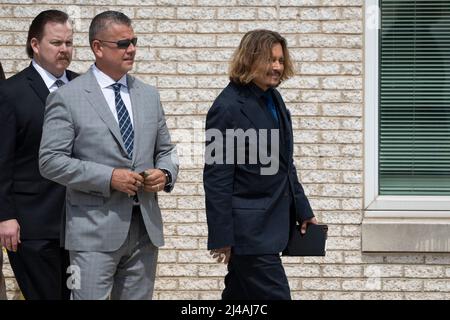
(122, 44)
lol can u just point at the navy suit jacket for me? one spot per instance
(250, 212)
(36, 203)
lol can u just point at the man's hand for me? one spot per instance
(221, 254)
(126, 181)
(155, 180)
(305, 223)
(10, 234)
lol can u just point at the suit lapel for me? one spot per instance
(136, 100)
(71, 75)
(285, 125)
(37, 84)
(254, 111)
(98, 102)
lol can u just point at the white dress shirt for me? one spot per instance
(105, 83)
(48, 78)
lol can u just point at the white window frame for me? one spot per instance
(374, 204)
(393, 223)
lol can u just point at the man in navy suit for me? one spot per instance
(31, 207)
(253, 200)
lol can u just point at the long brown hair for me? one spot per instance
(254, 54)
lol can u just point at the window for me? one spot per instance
(407, 126)
(414, 98)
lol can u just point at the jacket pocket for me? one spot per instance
(78, 198)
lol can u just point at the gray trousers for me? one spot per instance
(125, 274)
(2, 278)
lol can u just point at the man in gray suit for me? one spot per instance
(105, 138)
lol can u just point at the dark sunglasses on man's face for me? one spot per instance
(122, 44)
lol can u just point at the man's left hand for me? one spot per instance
(305, 223)
(155, 180)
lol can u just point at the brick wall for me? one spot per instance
(184, 48)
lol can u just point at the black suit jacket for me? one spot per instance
(251, 212)
(36, 203)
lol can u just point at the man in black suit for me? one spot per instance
(252, 203)
(31, 207)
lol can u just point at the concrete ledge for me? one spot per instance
(405, 235)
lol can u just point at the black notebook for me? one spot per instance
(312, 243)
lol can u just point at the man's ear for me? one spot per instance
(35, 45)
(97, 48)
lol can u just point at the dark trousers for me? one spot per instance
(40, 269)
(257, 277)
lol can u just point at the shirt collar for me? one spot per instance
(258, 91)
(106, 81)
(48, 78)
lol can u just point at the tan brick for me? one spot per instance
(216, 27)
(178, 270)
(178, 295)
(383, 271)
(167, 256)
(341, 296)
(351, 257)
(181, 243)
(342, 271)
(236, 14)
(192, 230)
(300, 3)
(305, 295)
(331, 257)
(213, 270)
(155, 13)
(319, 176)
(303, 271)
(198, 284)
(341, 55)
(189, 13)
(166, 284)
(382, 296)
(402, 285)
(304, 27)
(319, 284)
(362, 285)
(437, 285)
(424, 272)
(343, 243)
(195, 41)
(319, 14)
(341, 217)
(424, 296)
(351, 204)
(342, 27)
(351, 41)
(272, 14)
(318, 41)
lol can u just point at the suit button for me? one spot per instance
(286, 194)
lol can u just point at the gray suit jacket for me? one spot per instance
(81, 145)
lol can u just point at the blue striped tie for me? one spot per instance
(125, 125)
(59, 83)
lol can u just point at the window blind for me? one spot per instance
(414, 98)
